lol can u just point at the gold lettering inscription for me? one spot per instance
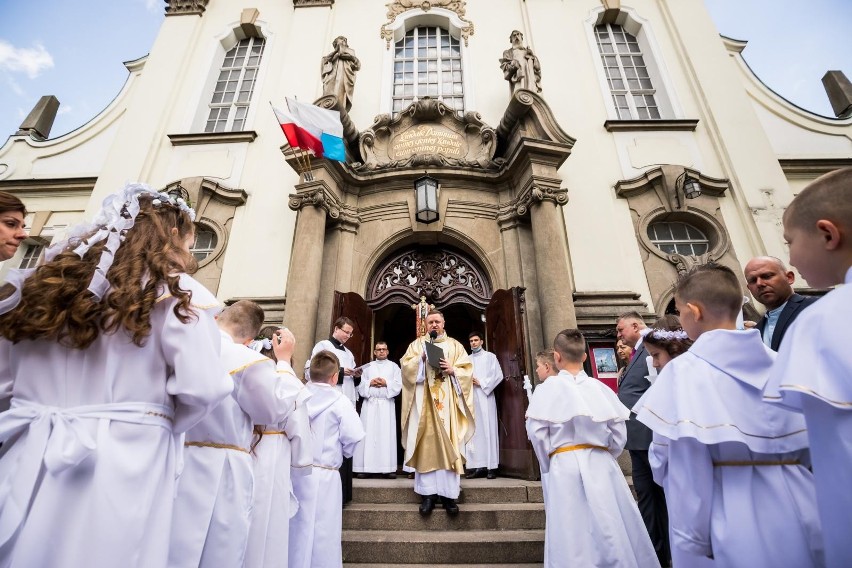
(428, 139)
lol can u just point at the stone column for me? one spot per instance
(303, 278)
(555, 286)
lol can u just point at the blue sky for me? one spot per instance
(74, 49)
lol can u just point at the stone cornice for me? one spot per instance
(54, 186)
(663, 180)
(185, 7)
(319, 195)
(807, 167)
(397, 7)
(650, 125)
(212, 138)
(312, 3)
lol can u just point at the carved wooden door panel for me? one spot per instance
(354, 307)
(504, 326)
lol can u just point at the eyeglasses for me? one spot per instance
(381, 348)
(349, 333)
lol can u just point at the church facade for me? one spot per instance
(571, 157)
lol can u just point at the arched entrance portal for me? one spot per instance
(457, 285)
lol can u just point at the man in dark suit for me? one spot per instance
(633, 384)
(771, 284)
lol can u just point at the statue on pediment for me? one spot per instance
(520, 65)
(338, 72)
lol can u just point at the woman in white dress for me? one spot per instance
(109, 352)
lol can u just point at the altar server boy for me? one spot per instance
(380, 382)
(315, 531)
(576, 426)
(813, 371)
(283, 450)
(212, 509)
(737, 480)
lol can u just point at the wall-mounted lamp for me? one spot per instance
(426, 194)
(690, 186)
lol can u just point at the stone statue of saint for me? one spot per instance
(520, 65)
(338, 72)
(422, 310)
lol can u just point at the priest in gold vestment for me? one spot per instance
(437, 416)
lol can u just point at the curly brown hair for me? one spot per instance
(56, 304)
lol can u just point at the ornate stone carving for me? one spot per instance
(520, 206)
(318, 196)
(184, 7)
(684, 263)
(442, 276)
(310, 3)
(428, 133)
(521, 67)
(397, 7)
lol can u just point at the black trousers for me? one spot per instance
(652, 505)
(346, 479)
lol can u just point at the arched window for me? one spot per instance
(234, 86)
(427, 62)
(678, 238)
(205, 243)
(630, 85)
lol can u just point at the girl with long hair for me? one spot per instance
(108, 351)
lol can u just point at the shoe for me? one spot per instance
(411, 475)
(477, 473)
(492, 474)
(450, 506)
(361, 475)
(428, 504)
(390, 476)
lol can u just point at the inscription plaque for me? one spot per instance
(427, 139)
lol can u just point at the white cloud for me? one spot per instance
(64, 109)
(153, 6)
(30, 60)
(14, 85)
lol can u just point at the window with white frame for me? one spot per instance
(678, 238)
(630, 85)
(234, 86)
(31, 256)
(205, 243)
(427, 62)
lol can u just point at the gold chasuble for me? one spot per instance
(446, 420)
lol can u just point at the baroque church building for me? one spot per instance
(524, 166)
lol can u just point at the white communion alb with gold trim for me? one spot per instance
(211, 518)
(91, 444)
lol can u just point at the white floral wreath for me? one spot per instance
(666, 335)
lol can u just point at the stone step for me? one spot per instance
(444, 547)
(510, 565)
(401, 490)
(472, 516)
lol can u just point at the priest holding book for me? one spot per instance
(437, 415)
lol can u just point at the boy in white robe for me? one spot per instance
(735, 473)
(576, 426)
(212, 509)
(283, 450)
(483, 450)
(813, 371)
(381, 381)
(315, 531)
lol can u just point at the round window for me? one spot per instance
(678, 238)
(205, 243)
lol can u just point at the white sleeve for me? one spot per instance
(538, 432)
(262, 395)
(494, 375)
(351, 430)
(690, 495)
(421, 372)
(618, 438)
(198, 381)
(394, 381)
(658, 455)
(298, 428)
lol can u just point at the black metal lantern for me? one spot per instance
(426, 194)
(691, 187)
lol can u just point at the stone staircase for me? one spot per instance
(501, 523)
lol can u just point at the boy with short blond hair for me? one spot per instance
(813, 372)
(576, 426)
(726, 448)
(315, 531)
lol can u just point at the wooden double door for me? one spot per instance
(505, 337)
